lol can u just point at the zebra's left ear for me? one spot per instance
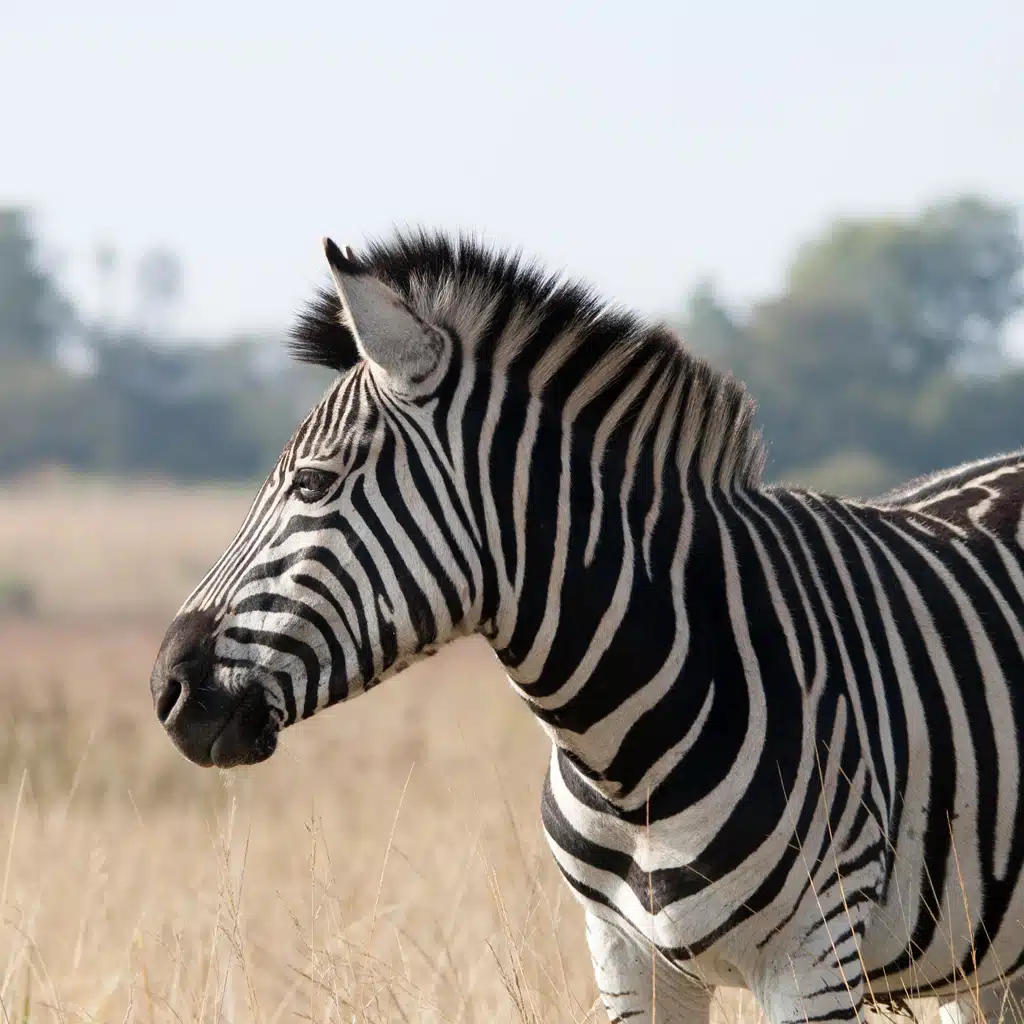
(387, 332)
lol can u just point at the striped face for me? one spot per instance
(355, 559)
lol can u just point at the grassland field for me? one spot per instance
(387, 864)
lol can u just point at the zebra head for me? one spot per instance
(502, 453)
(359, 554)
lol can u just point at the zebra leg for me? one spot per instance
(820, 978)
(826, 996)
(637, 988)
(999, 1002)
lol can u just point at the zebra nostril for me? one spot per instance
(168, 700)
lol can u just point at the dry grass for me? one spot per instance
(387, 864)
(375, 852)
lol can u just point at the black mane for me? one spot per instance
(479, 291)
(318, 336)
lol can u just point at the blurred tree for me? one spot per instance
(708, 327)
(106, 263)
(820, 389)
(159, 283)
(935, 291)
(877, 324)
(32, 310)
(860, 366)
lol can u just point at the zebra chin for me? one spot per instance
(249, 736)
(219, 734)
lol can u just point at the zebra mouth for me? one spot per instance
(249, 736)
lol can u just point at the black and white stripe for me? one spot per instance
(786, 727)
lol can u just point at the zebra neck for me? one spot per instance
(622, 655)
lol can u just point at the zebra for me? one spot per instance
(785, 727)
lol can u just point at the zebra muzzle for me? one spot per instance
(209, 724)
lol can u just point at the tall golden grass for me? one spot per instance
(386, 865)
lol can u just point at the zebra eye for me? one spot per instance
(310, 484)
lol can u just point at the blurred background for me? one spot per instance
(825, 201)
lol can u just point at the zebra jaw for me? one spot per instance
(250, 734)
(401, 664)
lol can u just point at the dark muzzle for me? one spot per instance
(207, 723)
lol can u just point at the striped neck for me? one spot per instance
(590, 613)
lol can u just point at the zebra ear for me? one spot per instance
(387, 332)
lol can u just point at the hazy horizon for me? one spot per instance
(639, 151)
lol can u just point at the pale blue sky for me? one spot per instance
(636, 144)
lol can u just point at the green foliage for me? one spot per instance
(881, 359)
(875, 349)
(188, 412)
(31, 307)
(934, 288)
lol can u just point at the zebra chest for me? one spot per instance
(652, 878)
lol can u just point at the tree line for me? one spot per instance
(883, 356)
(93, 396)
